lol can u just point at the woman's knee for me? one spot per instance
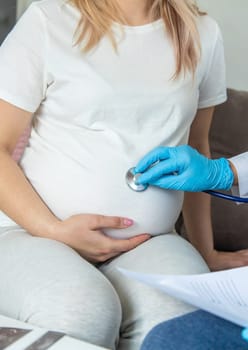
(77, 300)
(59, 290)
(77, 308)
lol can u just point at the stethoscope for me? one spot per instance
(131, 180)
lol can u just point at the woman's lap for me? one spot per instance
(143, 306)
(46, 283)
(198, 330)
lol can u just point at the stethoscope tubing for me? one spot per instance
(228, 197)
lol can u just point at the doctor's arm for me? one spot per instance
(197, 206)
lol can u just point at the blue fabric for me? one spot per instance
(198, 330)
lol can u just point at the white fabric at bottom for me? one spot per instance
(46, 283)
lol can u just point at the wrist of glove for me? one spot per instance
(221, 176)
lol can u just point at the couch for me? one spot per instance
(228, 137)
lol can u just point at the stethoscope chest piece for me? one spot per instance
(131, 179)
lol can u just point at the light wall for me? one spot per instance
(232, 16)
(21, 5)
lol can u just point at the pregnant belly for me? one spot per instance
(101, 189)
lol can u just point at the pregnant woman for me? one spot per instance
(102, 83)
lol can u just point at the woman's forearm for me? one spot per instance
(197, 206)
(196, 214)
(20, 201)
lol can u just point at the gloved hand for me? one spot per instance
(245, 334)
(185, 169)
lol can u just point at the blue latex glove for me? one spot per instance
(245, 334)
(183, 168)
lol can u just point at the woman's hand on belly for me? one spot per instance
(83, 233)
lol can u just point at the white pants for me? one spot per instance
(48, 284)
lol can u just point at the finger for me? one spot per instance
(165, 167)
(98, 248)
(159, 153)
(101, 221)
(170, 182)
(111, 247)
(107, 257)
(124, 245)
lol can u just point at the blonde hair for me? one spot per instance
(97, 17)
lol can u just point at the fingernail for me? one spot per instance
(128, 222)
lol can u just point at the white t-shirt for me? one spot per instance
(97, 113)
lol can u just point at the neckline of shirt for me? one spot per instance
(144, 28)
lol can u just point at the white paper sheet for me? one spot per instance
(223, 293)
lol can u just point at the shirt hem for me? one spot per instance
(18, 102)
(212, 101)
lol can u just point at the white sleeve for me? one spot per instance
(241, 164)
(22, 62)
(212, 89)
